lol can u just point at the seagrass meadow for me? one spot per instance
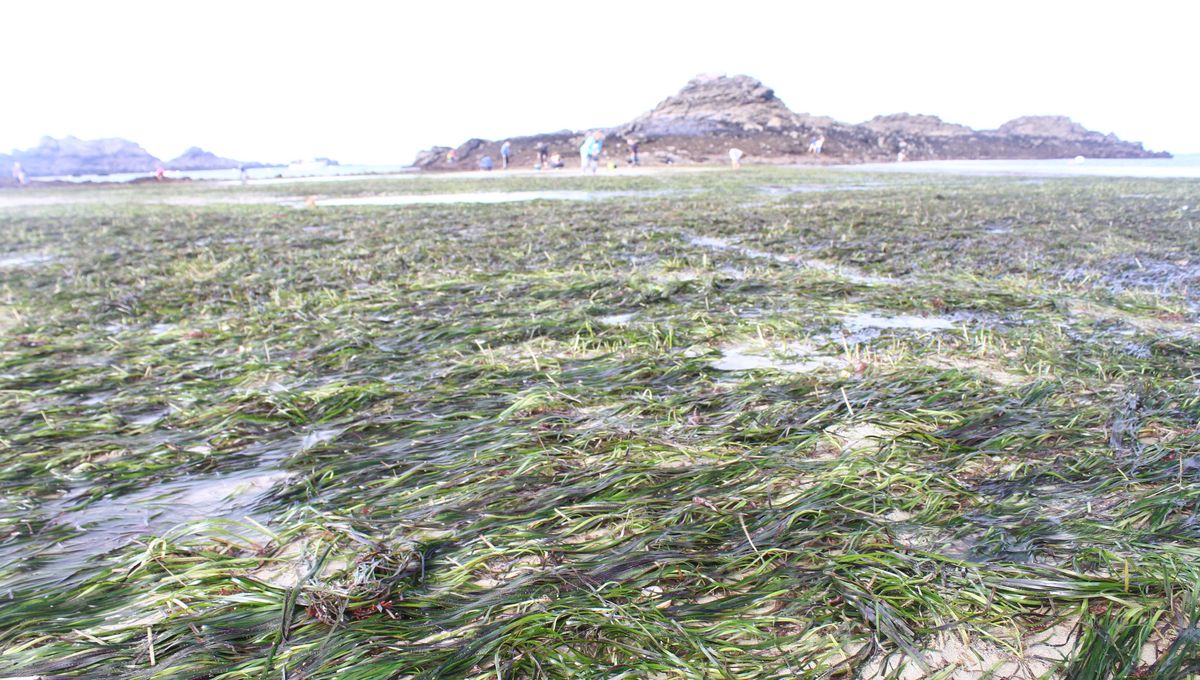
(773, 423)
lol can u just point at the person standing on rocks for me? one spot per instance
(735, 157)
(505, 152)
(585, 151)
(633, 151)
(589, 151)
(543, 154)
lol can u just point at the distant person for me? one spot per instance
(485, 163)
(451, 156)
(589, 151)
(18, 173)
(735, 157)
(543, 153)
(814, 146)
(633, 151)
(556, 161)
(505, 152)
(242, 174)
(160, 173)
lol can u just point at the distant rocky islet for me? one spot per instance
(712, 114)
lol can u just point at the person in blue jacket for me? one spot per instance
(589, 151)
(485, 163)
(505, 152)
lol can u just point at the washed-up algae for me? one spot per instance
(509, 440)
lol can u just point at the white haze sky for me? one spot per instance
(375, 82)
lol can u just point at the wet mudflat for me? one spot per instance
(944, 429)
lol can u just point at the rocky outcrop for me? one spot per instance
(714, 104)
(909, 124)
(72, 156)
(711, 114)
(1058, 127)
(196, 158)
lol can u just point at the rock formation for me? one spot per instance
(196, 158)
(711, 114)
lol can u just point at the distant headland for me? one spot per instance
(73, 156)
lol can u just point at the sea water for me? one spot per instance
(1185, 165)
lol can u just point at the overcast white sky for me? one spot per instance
(374, 82)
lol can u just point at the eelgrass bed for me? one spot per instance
(765, 424)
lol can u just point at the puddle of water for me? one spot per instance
(792, 358)
(676, 277)
(860, 322)
(811, 188)
(486, 197)
(617, 319)
(847, 273)
(147, 419)
(317, 437)
(18, 260)
(112, 522)
(710, 242)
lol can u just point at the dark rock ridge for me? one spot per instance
(73, 156)
(711, 114)
(196, 158)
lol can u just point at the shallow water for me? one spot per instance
(111, 522)
(782, 358)
(617, 319)
(16, 260)
(486, 197)
(859, 322)
(837, 270)
(813, 188)
(1185, 165)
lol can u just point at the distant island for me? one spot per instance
(73, 156)
(712, 114)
